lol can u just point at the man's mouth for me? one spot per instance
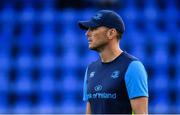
(89, 41)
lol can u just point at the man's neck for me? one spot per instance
(109, 54)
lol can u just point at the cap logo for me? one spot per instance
(97, 16)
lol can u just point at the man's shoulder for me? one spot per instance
(125, 60)
(94, 63)
(130, 57)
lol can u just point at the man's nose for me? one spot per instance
(87, 33)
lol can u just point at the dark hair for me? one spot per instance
(119, 35)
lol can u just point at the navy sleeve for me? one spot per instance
(136, 80)
(85, 87)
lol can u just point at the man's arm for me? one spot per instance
(137, 87)
(88, 108)
(85, 98)
(139, 105)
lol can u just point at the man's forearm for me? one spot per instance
(88, 108)
(140, 105)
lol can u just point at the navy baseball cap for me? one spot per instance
(107, 18)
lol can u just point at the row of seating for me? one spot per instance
(43, 55)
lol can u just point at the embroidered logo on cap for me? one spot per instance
(97, 16)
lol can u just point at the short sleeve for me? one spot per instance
(85, 86)
(136, 80)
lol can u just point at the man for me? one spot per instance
(117, 82)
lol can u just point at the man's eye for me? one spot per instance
(92, 29)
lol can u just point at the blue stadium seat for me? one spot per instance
(46, 84)
(23, 84)
(178, 101)
(70, 39)
(86, 13)
(48, 38)
(69, 60)
(160, 58)
(161, 106)
(69, 85)
(44, 107)
(46, 62)
(67, 17)
(26, 16)
(5, 62)
(68, 106)
(129, 19)
(3, 100)
(160, 82)
(21, 107)
(25, 61)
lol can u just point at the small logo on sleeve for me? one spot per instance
(115, 74)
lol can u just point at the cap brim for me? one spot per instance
(85, 25)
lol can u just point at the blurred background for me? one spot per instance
(43, 53)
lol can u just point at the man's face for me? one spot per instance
(97, 37)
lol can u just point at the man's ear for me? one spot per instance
(111, 33)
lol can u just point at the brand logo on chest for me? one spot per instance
(115, 74)
(98, 88)
(92, 74)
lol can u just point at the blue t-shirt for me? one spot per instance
(110, 86)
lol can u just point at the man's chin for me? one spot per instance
(92, 48)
